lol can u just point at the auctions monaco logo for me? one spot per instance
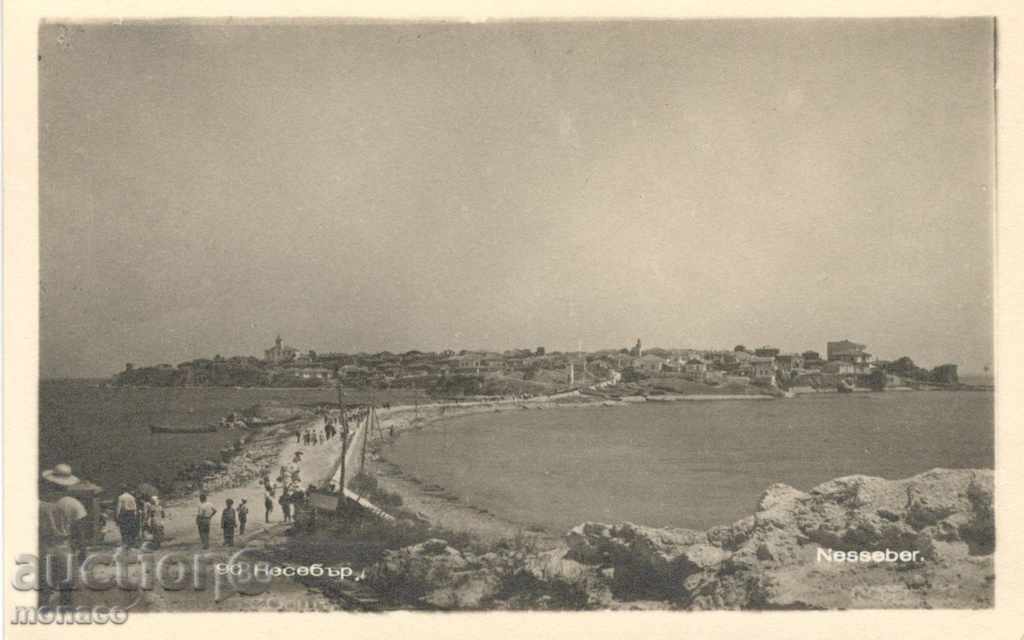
(69, 615)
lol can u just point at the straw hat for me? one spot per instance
(60, 474)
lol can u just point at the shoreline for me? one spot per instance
(436, 506)
(255, 447)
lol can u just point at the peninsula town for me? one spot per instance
(844, 366)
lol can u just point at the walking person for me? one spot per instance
(204, 514)
(243, 516)
(156, 521)
(268, 501)
(291, 471)
(285, 503)
(228, 522)
(126, 515)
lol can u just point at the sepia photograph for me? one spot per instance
(514, 315)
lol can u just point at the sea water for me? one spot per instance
(103, 432)
(690, 464)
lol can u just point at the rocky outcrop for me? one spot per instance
(245, 460)
(921, 542)
(436, 575)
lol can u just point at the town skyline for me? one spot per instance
(985, 368)
(638, 348)
(843, 366)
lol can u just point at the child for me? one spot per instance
(243, 515)
(228, 522)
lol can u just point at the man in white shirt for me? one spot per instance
(204, 514)
(127, 516)
(62, 522)
(291, 471)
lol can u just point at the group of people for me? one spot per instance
(331, 428)
(67, 527)
(287, 493)
(232, 421)
(138, 513)
(291, 492)
(231, 519)
(311, 437)
(292, 495)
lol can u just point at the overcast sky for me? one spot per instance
(390, 187)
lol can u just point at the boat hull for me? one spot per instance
(206, 429)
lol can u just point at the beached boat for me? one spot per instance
(212, 428)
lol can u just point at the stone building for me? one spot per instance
(280, 352)
(847, 351)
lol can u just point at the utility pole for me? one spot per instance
(366, 436)
(344, 449)
(366, 431)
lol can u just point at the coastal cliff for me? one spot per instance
(784, 556)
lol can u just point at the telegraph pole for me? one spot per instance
(344, 449)
(370, 415)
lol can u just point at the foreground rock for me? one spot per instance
(778, 558)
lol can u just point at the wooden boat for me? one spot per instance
(258, 423)
(212, 428)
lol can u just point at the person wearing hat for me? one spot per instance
(62, 531)
(126, 513)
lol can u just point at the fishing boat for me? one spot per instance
(259, 423)
(211, 428)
